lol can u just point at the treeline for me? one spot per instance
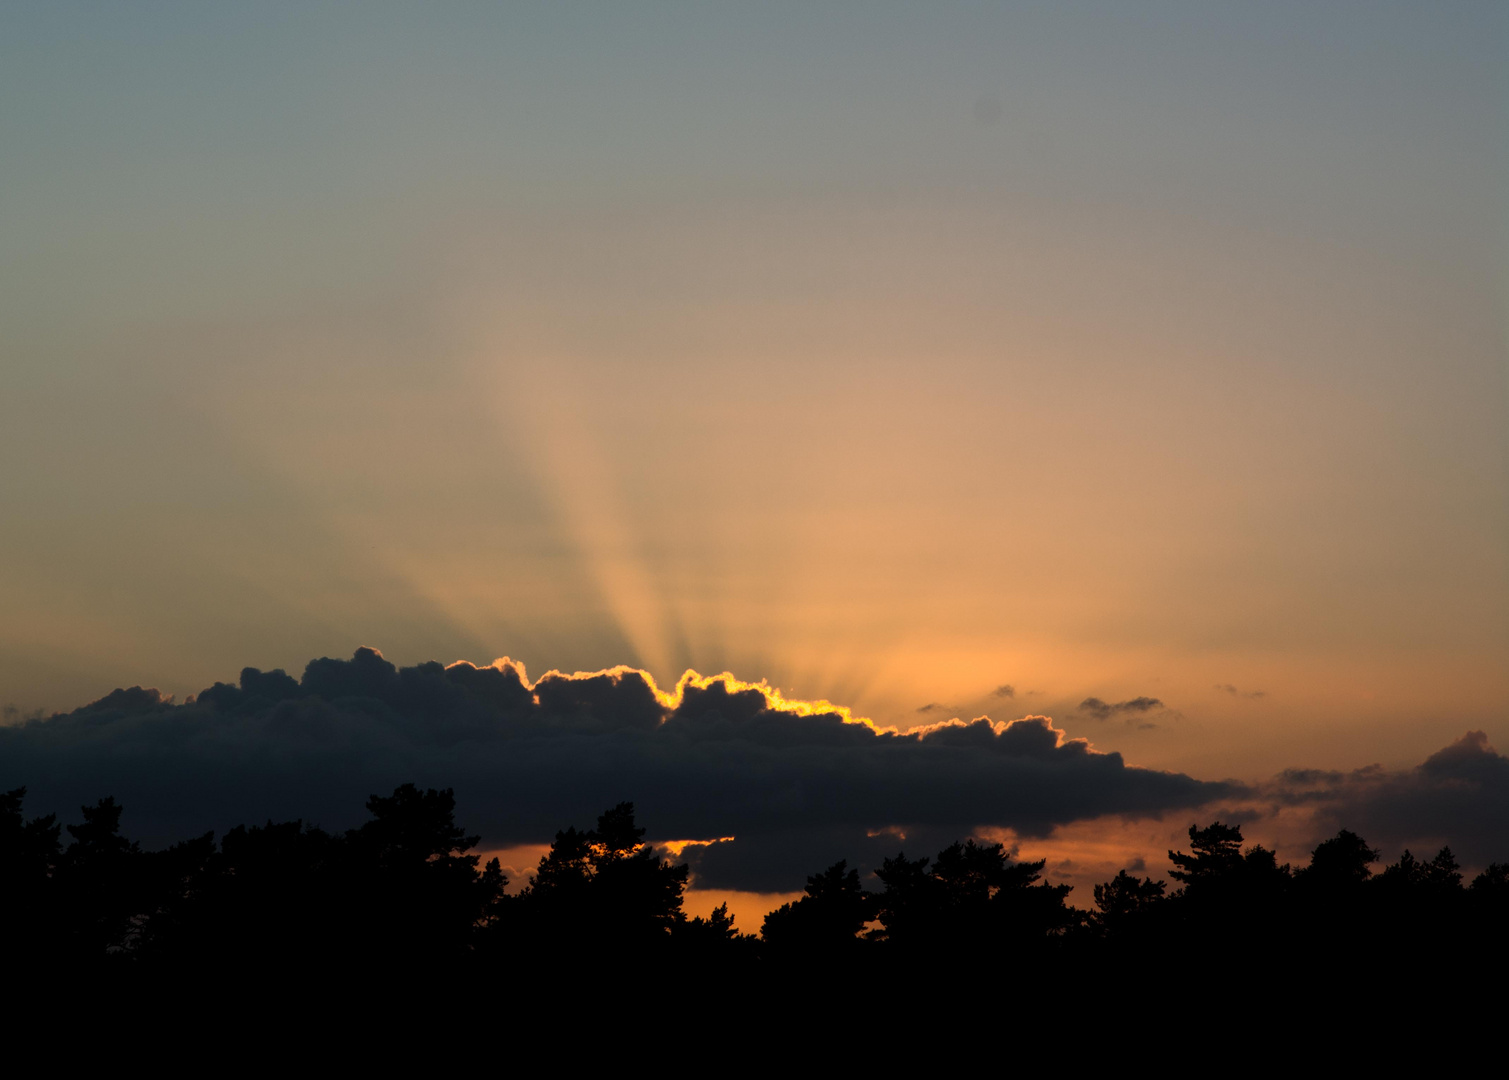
(403, 890)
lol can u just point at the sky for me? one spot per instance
(937, 361)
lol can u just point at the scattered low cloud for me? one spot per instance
(1005, 690)
(1250, 695)
(1104, 710)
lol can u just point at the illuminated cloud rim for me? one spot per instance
(796, 782)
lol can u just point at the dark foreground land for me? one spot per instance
(398, 911)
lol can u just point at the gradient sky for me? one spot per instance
(891, 353)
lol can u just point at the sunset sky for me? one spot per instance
(935, 360)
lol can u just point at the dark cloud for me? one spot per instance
(798, 786)
(1005, 690)
(1251, 695)
(1103, 710)
(130, 699)
(932, 706)
(1457, 796)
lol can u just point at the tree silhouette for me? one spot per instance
(1488, 901)
(715, 940)
(100, 882)
(1217, 855)
(424, 896)
(272, 895)
(605, 890)
(1332, 912)
(1341, 863)
(29, 852)
(1220, 872)
(828, 919)
(1233, 904)
(1492, 885)
(717, 927)
(1124, 902)
(1413, 880)
(403, 895)
(974, 895)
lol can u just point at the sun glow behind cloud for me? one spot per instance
(573, 469)
(670, 700)
(985, 486)
(721, 346)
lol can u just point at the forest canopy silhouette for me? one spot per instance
(403, 891)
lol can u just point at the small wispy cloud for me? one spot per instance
(1251, 695)
(1105, 710)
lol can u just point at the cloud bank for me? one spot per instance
(797, 784)
(1459, 796)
